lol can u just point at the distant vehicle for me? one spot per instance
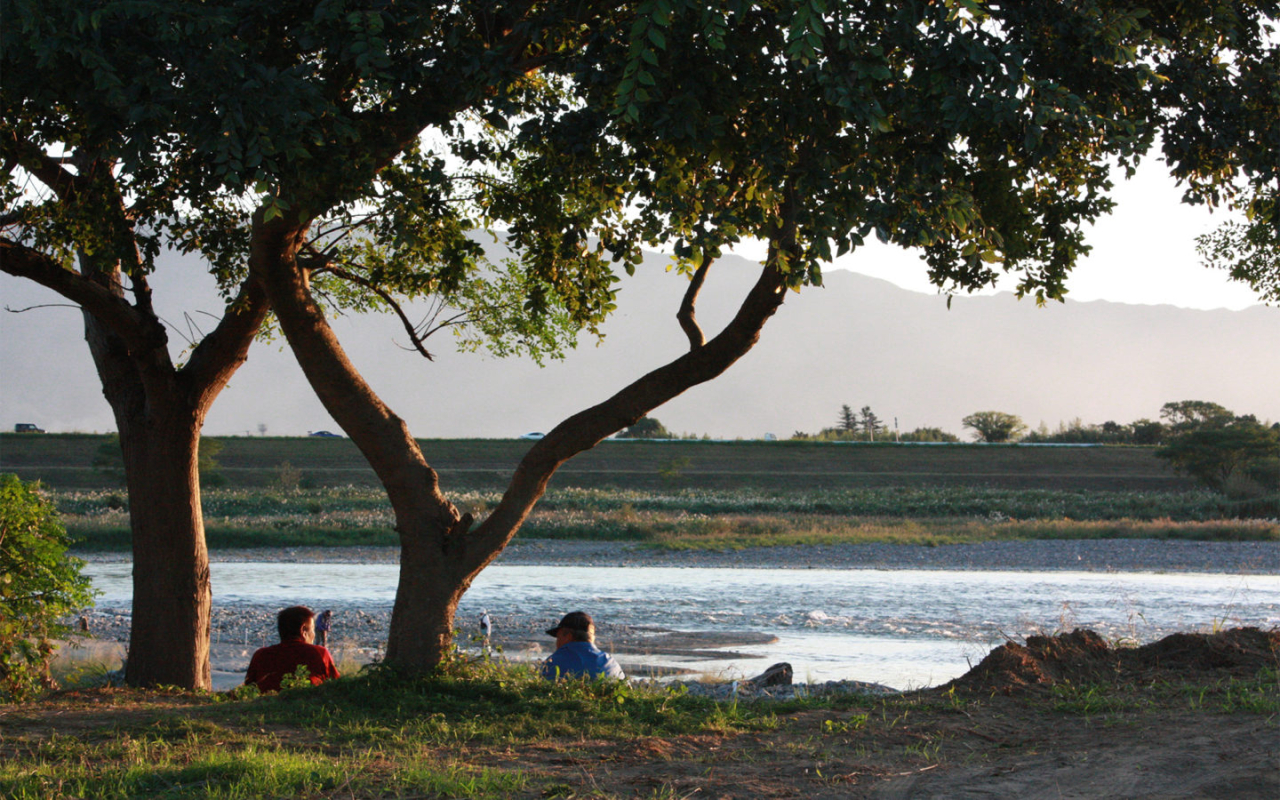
(27, 427)
(534, 435)
(325, 434)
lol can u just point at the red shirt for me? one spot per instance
(270, 664)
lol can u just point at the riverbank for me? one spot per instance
(1087, 555)
(1192, 716)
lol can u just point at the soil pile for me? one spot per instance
(1083, 657)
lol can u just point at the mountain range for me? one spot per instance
(857, 340)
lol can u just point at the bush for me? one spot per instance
(39, 585)
(1234, 458)
(929, 435)
(646, 428)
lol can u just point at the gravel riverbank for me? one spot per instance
(1088, 555)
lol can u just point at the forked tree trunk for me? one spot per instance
(159, 411)
(159, 433)
(441, 551)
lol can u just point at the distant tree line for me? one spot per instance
(651, 428)
(865, 425)
(1233, 454)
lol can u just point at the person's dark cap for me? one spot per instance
(573, 621)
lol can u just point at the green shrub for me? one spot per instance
(39, 585)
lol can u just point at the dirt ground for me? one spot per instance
(1190, 716)
(1059, 717)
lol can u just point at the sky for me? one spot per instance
(1143, 253)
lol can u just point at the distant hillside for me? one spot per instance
(859, 340)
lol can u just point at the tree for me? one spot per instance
(807, 131)
(113, 150)
(995, 426)
(1222, 127)
(1250, 254)
(363, 143)
(848, 421)
(39, 585)
(645, 428)
(1147, 431)
(90, 197)
(1217, 454)
(1188, 415)
(870, 423)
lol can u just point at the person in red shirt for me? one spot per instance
(269, 665)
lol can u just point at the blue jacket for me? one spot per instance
(582, 660)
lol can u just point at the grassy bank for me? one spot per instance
(698, 518)
(86, 461)
(495, 731)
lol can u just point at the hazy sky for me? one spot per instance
(1143, 252)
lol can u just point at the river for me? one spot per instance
(902, 628)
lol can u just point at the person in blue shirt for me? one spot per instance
(576, 653)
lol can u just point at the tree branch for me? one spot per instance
(409, 327)
(218, 355)
(587, 428)
(685, 315)
(47, 169)
(114, 311)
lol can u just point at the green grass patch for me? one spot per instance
(488, 704)
(372, 735)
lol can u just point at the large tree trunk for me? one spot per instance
(159, 424)
(159, 411)
(172, 595)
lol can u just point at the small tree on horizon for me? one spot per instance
(848, 419)
(995, 426)
(929, 435)
(870, 423)
(1219, 455)
(1188, 415)
(646, 428)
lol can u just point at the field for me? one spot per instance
(270, 492)
(66, 461)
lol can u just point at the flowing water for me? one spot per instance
(903, 628)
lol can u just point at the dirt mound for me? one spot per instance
(1083, 656)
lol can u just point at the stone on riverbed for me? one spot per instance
(745, 690)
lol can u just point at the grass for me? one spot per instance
(698, 518)
(372, 735)
(674, 495)
(489, 730)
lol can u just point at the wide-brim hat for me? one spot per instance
(573, 621)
